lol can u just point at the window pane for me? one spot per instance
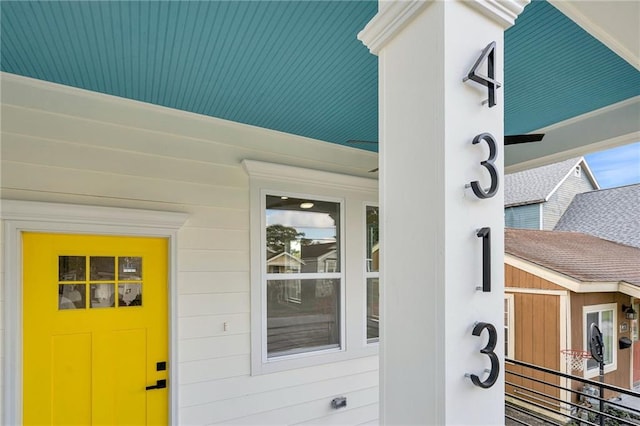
(373, 309)
(506, 329)
(592, 318)
(102, 295)
(129, 295)
(130, 268)
(606, 327)
(302, 315)
(71, 296)
(303, 235)
(71, 268)
(373, 245)
(103, 268)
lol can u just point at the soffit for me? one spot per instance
(292, 66)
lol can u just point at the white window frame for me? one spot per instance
(352, 191)
(370, 274)
(509, 327)
(614, 340)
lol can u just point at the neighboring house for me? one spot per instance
(556, 285)
(320, 257)
(282, 263)
(612, 214)
(537, 198)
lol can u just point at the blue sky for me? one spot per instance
(617, 166)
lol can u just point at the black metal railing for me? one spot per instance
(539, 400)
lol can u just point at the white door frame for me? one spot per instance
(31, 216)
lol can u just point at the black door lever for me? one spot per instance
(160, 384)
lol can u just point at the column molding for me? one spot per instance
(393, 17)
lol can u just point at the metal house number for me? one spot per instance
(488, 54)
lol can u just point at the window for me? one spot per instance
(509, 327)
(604, 317)
(308, 267)
(304, 287)
(577, 171)
(372, 263)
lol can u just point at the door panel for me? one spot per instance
(95, 325)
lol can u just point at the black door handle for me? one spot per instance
(160, 384)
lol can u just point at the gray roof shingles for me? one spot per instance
(612, 214)
(580, 256)
(535, 185)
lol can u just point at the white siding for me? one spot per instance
(71, 146)
(557, 204)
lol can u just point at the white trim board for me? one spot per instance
(570, 283)
(22, 216)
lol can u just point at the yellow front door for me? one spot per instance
(95, 330)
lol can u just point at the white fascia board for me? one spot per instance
(590, 175)
(553, 191)
(569, 283)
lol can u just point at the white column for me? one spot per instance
(431, 256)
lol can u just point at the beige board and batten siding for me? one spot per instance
(66, 145)
(537, 323)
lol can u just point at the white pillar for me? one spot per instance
(431, 255)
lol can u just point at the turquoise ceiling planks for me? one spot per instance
(554, 70)
(292, 66)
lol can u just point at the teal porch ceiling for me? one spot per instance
(292, 66)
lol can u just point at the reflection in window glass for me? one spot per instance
(71, 296)
(302, 315)
(302, 235)
(373, 244)
(71, 268)
(604, 319)
(372, 262)
(102, 268)
(102, 295)
(130, 268)
(373, 308)
(129, 295)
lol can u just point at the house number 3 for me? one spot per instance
(488, 351)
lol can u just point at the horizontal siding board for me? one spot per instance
(193, 305)
(213, 347)
(213, 325)
(211, 145)
(222, 411)
(361, 406)
(213, 239)
(213, 282)
(217, 217)
(30, 96)
(213, 260)
(210, 370)
(353, 414)
(32, 150)
(87, 182)
(235, 387)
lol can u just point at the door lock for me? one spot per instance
(160, 384)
